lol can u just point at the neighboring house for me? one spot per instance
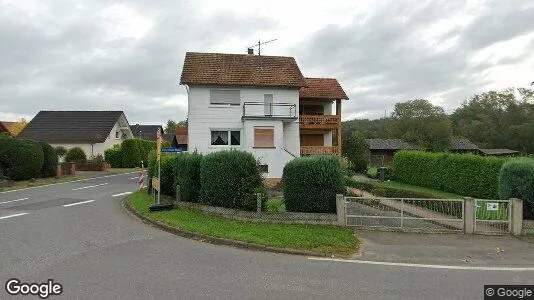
(252, 103)
(146, 132)
(93, 131)
(180, 138)
(381, 151)
(463, 145)
(6, 127)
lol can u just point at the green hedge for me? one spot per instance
(75, 154)
(516, 180)
(131, 153)
(230, 179)
(187, 176)
(310, 184)
(167, 177)
(463, 174)
(113, 157)
(50, 159)
(21, 159)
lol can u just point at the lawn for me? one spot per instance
(321, 239)
(435, 193)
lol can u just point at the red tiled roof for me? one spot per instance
(241, 70)
(323, 88)
(7, 125)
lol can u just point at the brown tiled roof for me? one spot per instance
(6, 126)
(323, 88)
(388, 144)
(241, 70)
(498, 151)
(462, 144)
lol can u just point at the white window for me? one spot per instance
(225, 137)
(225, 97)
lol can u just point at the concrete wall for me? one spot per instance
(205, 117)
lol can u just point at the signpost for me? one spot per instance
(156, 181)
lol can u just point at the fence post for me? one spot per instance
(469, 215)
(178, 194)
(258, 202)
(341, 210)
(517, 215)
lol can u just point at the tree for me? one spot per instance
(18, 126)
(498, 119)
(422, 123)
(171, 125)
(354, 150)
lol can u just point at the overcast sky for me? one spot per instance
(113, 55)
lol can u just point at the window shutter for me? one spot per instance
(264, 137)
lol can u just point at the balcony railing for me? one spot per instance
(269, 110)
(319, 121)
(313, 150)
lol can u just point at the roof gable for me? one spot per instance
(71, 126)
(322, 88)
(241, 70)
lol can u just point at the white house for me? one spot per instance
(93, 131)
(256, 103)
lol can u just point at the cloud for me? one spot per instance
(128, 56)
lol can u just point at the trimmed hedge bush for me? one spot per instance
(114, 157)
(131, 153)
(230, 179)
(187, 175)
(167, 177)
(516, 180)
(60, 151)
(50, 159)
(21, 159)
(462, 174)
(310, 184)
(75, 154)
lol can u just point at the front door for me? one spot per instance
(268, 104)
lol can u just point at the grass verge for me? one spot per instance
(320, 239)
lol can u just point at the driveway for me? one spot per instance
(79, 235)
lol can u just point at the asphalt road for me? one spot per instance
(98, 251)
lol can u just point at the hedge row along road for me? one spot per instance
(85, 241)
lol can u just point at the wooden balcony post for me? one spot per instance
(338, 113)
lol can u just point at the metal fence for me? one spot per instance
(405, 213)
(492, 216)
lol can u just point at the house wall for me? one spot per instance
(204, 117)
(110, 141)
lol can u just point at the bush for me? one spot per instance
(516, 180)
(49, 168)
(75, 154)
(354, 150)
(167, 177)
(230, 179)
(310, 184)
(463, 174)
(60, 151)
(114, 157)
(131, 153)
(20, 159)
(187, 176)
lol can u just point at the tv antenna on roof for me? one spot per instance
(251, 48)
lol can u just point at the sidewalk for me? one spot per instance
(446, 249)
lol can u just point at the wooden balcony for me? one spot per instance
(314, 150)
(319, 121)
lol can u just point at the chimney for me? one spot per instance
(250, 51)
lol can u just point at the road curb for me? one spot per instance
(215, 240)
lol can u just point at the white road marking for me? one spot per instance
(14, 200)
(74, 181)
(12, 216)
(90, 186)
(393, 264)
(122, 194)
(134, 178)
(78, 203)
